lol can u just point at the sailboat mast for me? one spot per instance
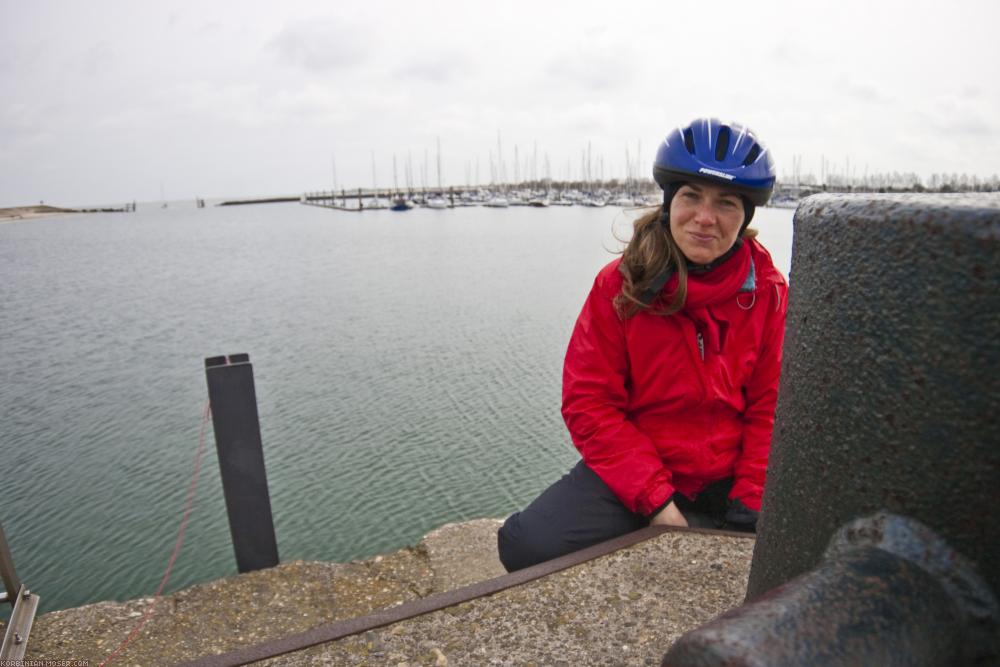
(440, 189)
(628, 171)
(500, 169)
(517, 164)
(425, 174)
(534, 163)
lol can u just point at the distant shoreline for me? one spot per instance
(15, 213)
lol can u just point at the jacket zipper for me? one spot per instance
(701, 346)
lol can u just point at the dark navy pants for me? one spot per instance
(580, 510)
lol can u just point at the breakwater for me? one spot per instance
(624, 608)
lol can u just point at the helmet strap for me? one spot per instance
(668, 196)
(748, 210)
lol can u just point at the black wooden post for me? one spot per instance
(241, 460)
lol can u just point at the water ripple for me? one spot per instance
(407, 374)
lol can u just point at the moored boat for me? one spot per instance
(401, 204)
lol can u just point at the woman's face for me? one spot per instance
(705, 220)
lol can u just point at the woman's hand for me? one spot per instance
(669, 516)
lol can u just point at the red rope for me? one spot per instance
(192, 486)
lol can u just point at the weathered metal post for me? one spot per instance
(889, 592)
(889, 401)
(890, 384)
(241, 460)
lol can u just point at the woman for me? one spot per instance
(671, 376)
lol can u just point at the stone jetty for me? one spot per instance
(624, 608)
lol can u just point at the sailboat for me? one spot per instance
(539, 200)
(497, 201)
(438, 201)
(400, 202)
(376, 203)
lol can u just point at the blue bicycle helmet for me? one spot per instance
(710, 150)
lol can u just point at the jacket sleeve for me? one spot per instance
(761, 398)
(595, 400)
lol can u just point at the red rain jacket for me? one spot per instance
(651, 417)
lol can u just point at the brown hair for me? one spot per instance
(649, 253)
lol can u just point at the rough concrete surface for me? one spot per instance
(463, 553)
(622, 609)
(236, 611)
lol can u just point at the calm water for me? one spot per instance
(407, 369)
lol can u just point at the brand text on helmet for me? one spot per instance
(713, 172)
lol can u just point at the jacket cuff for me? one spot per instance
(746, 493)
(654, 501)
(659, 509)
(741, 517)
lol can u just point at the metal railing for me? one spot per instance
(24, 602)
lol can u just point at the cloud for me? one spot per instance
(438, 69)
(16, 116)
(255, 105)
(95, 60)
(591, 71)
(962, 117)
(211, 27)
(320, 46)
(598, 61)
(969, 124)
(783, 53)
(972, 92)
(861, 91)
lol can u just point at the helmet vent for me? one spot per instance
(722, 144)
(752, 155)
(689, 140)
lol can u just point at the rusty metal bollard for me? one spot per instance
(889, 592)
(890, 381)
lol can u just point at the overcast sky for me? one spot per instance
(105, 102)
